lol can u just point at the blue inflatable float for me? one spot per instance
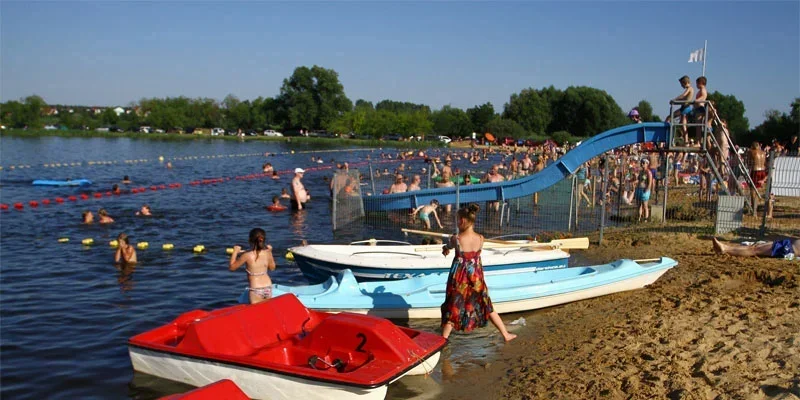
(72, 182)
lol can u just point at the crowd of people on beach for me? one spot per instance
(632, 175)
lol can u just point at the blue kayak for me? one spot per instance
(422, 296)
(72, 182)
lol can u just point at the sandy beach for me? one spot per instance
(714, 327)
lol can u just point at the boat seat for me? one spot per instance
(219, 334)
(249, 329)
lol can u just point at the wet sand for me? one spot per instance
(714, 327)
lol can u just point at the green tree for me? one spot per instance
(367, 105)
(561, 137)
(480, 116)
(313, 98)
(451, 121)
(13, 114)
(108, 117)
(586, 111)
(529, 109)
(777, 125)
(731, 109)
(502, 127)
(400, 107)
(33, 108)
(646, 112)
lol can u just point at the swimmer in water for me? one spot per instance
(88, 217)
(125, 253)
(144, 211)
(104, 217)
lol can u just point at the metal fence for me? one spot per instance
(686, 198)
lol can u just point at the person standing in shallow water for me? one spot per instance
(125, 253)
(467, 304)
(259, 262)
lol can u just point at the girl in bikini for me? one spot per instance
(259, 261)
(125, 254)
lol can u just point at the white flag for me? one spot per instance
(697, 56)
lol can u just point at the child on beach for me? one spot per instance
(259, 261)
(125, 253)
(467, 304)
(425, 211)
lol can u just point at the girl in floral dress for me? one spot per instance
(467, 304)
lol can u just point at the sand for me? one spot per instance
(714, 327)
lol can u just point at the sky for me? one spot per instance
(109, 53)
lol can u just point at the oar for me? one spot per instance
(566, 244)
(427, 233)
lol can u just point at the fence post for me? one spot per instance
(770, 174)
(430, 172)
(571, 201)
(333, 202)
(665, 180)
(604, 188)
(372, 179)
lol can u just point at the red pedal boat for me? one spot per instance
(279, 349)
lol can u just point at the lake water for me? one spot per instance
(67, 310)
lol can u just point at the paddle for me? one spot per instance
(566, 244)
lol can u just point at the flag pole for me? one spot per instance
(705, 56)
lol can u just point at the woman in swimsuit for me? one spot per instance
(125, 253)
(259, 261)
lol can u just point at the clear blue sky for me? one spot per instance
(111, 53)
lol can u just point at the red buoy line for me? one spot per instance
(35, 204)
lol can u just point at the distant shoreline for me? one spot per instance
(342, 142)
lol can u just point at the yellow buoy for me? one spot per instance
(292, 151)
(113, 243)
(199, 248)
(167, 246)
(229, 250)
(63, 240)
(142, 245)
(160, 158)
(87, 241)
(289, 256)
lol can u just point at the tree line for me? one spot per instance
(314, 99)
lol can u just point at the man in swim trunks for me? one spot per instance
(699, 105)
(300, 194)
(777, 249)
(756, 159)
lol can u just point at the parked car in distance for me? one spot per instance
(50, 127)
(270, 132)
(508, 141)
(217, 131)
(445, 139)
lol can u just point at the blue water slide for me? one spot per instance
(552, 174)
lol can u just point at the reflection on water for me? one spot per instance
(125, 277)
